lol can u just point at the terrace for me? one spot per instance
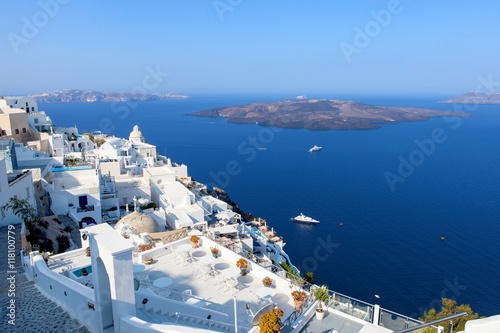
(187, 286)
(190, 281)
(194, 277)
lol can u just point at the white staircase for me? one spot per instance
(158, 317)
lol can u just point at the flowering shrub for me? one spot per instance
(242, 263)
(299, 296)
(145, 247)
(270, 322)
(267, 281)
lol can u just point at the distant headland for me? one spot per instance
(321, 114)
(88, 96)
(473, 97)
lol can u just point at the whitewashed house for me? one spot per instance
(75, 191)
(12, 185)
(170, 195)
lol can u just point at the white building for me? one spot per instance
(12, 185)
(25, 103)
(75, 191)
(172, 196)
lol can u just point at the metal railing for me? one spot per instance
(85, 209)
(434, 322)
(396, 321)
(211, 323)
(182, 233)
(180, 297)
(351, 306)
(286, 325)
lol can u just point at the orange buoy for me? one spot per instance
(442, 238)
(341, 224)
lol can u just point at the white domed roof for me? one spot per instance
(136, 135)
(140, 222)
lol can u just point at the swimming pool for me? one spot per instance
(78, 272)
(83, 167)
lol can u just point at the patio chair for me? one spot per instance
(232, 283)
(221, 281)
(204, 270)
(187, 259)
(185, 295)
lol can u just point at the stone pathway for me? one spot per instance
(75, 232)
(34, 312)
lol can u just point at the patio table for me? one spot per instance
(162, 282)
(264, 292)
(184, 247)
(138, 268)
(231, 272)
(208, 259)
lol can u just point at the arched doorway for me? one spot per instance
(88, 221)
(103, 296)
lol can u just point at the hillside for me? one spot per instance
(87, 96)
(321, 114)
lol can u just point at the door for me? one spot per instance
(83, 201)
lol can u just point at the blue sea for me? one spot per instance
(444, 177)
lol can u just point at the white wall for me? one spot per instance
(21, 187)
(68, 294)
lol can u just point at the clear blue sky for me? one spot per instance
(260, 46)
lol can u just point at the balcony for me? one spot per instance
(85, 209)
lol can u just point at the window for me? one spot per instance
(35, 120)
(24, 130)
(17, 130)
(3, 132)
(26, 103)
(33, 108)
(27, 192)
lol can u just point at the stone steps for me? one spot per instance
(34, 312)
(158, 318)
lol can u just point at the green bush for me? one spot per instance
(149, 205)
(64, 243)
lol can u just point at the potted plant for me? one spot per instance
(270, 322)
(322, 296)
(145, 247)
(215, 251)
(46, 256)
(242, 264)
(267, 281)
(195, 240)
(87, 251)
(125, 236)
(84, 272)
(298, 297)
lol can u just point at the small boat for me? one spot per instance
(304, 219)
(315, 148)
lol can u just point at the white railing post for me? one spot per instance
(376, 314)
(440, 329)
(235, 317)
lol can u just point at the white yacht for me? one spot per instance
(304, 219)
(315, 148)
